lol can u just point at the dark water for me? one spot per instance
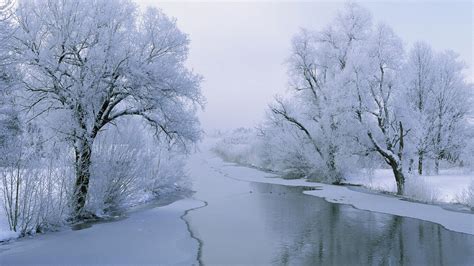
(254, 223)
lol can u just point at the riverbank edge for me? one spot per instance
(176, 242)
(371, 200)
(153, 203)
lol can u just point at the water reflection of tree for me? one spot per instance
(313, 232)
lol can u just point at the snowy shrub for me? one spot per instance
(417, 188)
(239, 146)
(467, 157)
(35, 191)
(114, 175)
(280, 151)
(33, 174)
(130, 167)
(467, 196)
(168, 174)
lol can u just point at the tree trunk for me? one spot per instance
(420, 163)
(331, 165)
(83, 163)
(399, 178)
(436, 166)
(17, 199)
(438, 144)
(397, 166)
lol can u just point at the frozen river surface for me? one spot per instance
(230, 221)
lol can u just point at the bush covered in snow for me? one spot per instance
(277, 152)
(35, 182)
(239, 146)
(129, 167)
(416, 187)
(467, 196)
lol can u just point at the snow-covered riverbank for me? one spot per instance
(154, 236)
(453, 185)
(455, 221)
(449, 187)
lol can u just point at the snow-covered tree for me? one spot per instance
(438, 99)
(375, 83)
(89, 64)
(9, 116)
(317, 60)
(451, 104)
(420, 81)
(355, 97)
(357, 101)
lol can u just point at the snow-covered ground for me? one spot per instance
(5, 233)
(448, 187)
(156, 236)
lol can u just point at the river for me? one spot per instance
(257, 223)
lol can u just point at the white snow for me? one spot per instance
(5, 233)
(155, 236)
(455, 221)
(447, 187)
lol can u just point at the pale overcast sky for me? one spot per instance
(240, 47)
